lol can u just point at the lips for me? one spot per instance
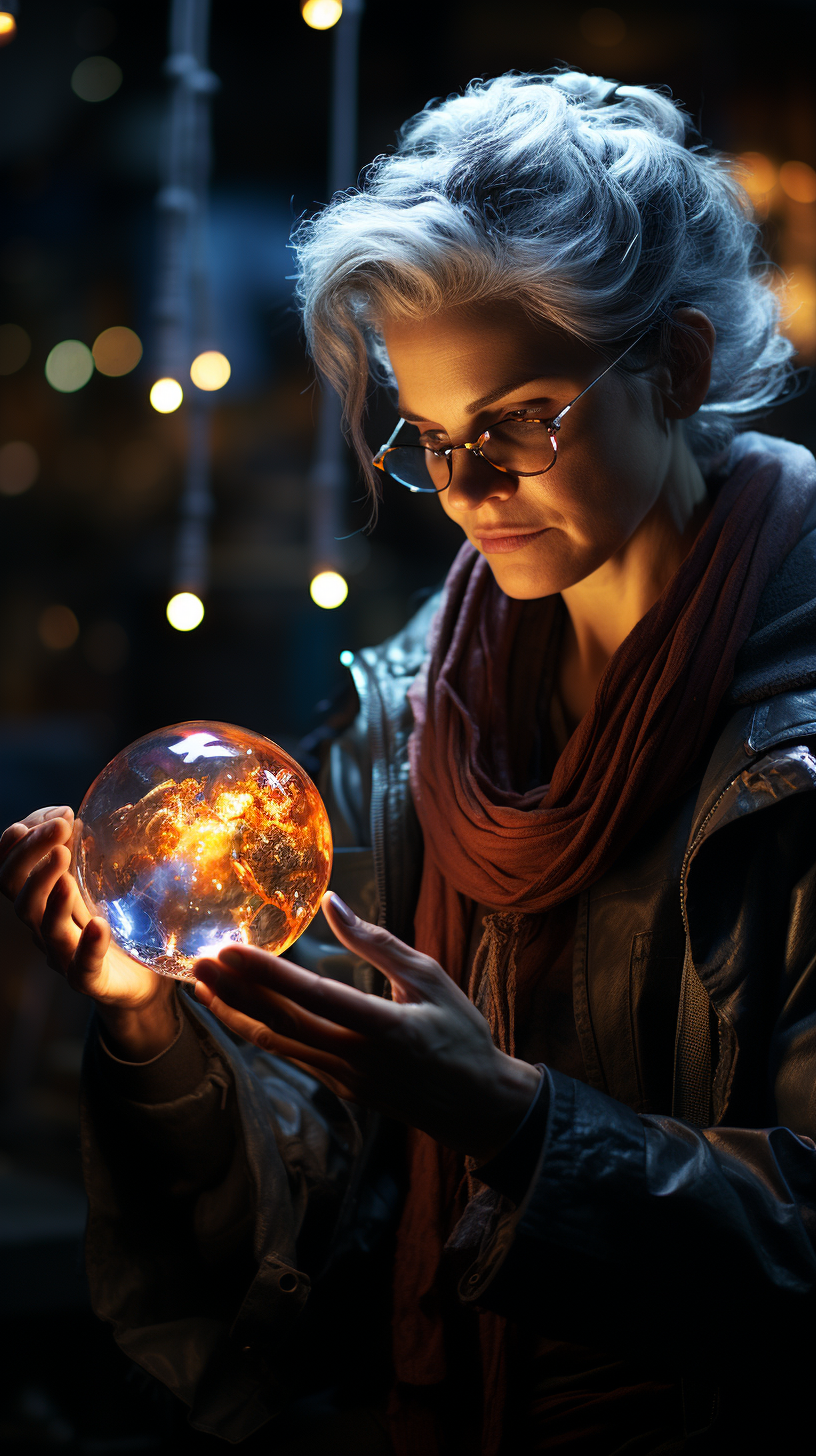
(491, 543)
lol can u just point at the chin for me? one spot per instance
(525, 585)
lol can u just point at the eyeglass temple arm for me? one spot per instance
(568, 407)
(389, 442)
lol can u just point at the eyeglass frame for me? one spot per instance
(553, 426)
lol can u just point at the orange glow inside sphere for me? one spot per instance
(198, 836)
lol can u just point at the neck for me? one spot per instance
(603, 608)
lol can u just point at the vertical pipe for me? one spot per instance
(182, 295)
(328, 470)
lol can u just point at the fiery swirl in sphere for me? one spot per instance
(199, 835)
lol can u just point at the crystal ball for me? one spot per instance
(197, 836)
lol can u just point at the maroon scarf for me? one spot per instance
(530, 852)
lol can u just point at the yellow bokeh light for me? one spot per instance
(757, 174)
(185, 611)
(328, 589)
(798, 181)
(799, 309)
(321, 14)
(210, 370)
(8, 27)
(166, 396)
(116, 351)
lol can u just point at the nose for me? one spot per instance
(474, 480)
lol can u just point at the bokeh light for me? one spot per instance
(798, 180)
(15, 347)
(166, 396)
(757, 174)
(69, 366)
(58, 628)
(346, 657)
(328, 589)
(799, 310)
(185, 611)
(96, 79)
(210, 370)
(602, 27)
(8, 27)
(116, 351)
(19, 467)
(321, 14)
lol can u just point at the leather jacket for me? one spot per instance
(672, 1212)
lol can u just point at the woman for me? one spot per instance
(574, 813)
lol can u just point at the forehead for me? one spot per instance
(447, 362)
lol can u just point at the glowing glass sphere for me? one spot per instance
(197, 836)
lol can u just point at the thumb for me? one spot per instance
(413, 976)
(89, 957)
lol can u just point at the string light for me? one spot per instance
(15, 347)
(185, 611)
(8, 24)
(69, 366)
(166, 396)
(759, 175)
(96, 79)
(328, 589)
(58, 628)
(798, 181)
(321, 14)
(116, 351)
(210, 370)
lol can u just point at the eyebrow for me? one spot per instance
(486, 399)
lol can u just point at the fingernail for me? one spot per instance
(60, 811)
(232, 958)
(342, 910)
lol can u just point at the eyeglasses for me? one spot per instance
(516, 446)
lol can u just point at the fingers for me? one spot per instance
(22, 846)
(57, 929)
(263, 1035)
(331, 1000)
(415, 976)
(247, 990)
(87, 970)
(30, 903)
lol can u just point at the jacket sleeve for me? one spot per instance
(649, 1235)
(213, 1185)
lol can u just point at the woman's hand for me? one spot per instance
(426, 1057)
(136, 1006)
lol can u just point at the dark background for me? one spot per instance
(95, 531)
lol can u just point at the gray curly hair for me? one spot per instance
(593, 205)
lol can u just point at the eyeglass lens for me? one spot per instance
(520, 447)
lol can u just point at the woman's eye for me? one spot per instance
(434, 442)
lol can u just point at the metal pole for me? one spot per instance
(328, 470)
(182, 305)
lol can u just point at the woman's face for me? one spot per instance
(466, 369)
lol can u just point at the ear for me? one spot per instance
(689, 365)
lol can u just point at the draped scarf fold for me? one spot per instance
(524, 853)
